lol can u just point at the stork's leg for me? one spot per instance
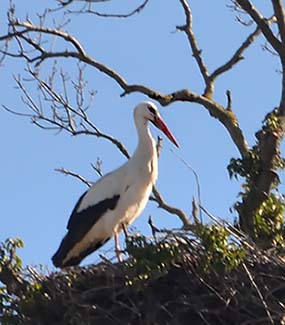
(117, 247)
(125, 230)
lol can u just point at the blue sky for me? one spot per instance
(36, 201)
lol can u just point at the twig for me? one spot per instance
(196, 180)
(259, 293)
(137, 10)
(75, 175)
(157, 197)
(229, 97)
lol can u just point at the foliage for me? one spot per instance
(245, 167)
(268, 218)
(9, 314)
(269, 222)
(148, 259)
(220, 252)
(8, 254)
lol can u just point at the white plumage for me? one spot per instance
(116, 199)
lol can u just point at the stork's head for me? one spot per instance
(148, 111)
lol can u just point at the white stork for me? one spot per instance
(116, 199)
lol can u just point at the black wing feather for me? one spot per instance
(78, 226)
(74, 217)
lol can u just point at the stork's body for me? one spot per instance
(117, 199)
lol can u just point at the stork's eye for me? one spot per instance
(152, 110)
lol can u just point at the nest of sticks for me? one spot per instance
(180, 293)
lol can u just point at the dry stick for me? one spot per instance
(75, 175)
(196, 180)
(258, 292)
(100, 14)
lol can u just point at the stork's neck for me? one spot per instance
(146, 144)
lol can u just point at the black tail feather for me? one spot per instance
(64, 249)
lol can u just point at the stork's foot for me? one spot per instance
(119, 256)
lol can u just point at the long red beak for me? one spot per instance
(159, 123)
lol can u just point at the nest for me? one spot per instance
(184, 293)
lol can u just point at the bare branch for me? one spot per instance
(29, 27)
(237, 56)
(98, 167)
(68, 172)
(229, 97)
(197, 53)
(262, 23)
(87, 9)
(280, 15)
(157, 197)
(228, 119)
(65, 122)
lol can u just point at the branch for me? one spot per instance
(262, 23)
(227, 118)
(157, 197)
(75, 175)
(88, 10)
(237, 56)
(197, 53)
(29, 27)
(262, 184)
(280, 15)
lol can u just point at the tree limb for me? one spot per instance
(237, 56)
(197, 53)
(157, 197)
(280, 16)
(262, 23)
(227, 118)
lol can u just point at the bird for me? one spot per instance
(112, 203)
